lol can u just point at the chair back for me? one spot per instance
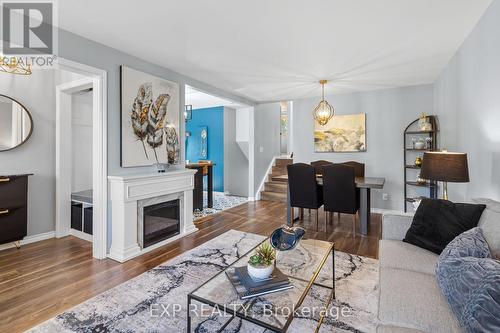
(303, 187)
(317, 165)
(359, 168)
(339, 189)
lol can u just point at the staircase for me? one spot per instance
(275, 189)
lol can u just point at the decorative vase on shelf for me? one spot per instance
(428, 143)
(424, 124)
(261, 264)
(418, 162)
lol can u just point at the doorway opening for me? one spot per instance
(81, 155)
(217, 146)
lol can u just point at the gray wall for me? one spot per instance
(267, 139)
(388, 112)
(467, 100)
(235, 162)
(37, 155)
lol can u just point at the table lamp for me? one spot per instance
(445, 167)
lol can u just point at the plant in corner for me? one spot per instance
(261, 263)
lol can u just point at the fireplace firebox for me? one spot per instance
(161, 221)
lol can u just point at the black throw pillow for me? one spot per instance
(437, 222)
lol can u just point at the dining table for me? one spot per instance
(365, 185)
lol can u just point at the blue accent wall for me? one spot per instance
(213, 120)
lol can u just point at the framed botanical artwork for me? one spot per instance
(149, 119)
(343, 133)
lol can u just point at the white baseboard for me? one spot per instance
(81, 235)
(251, 199)
(30, 239)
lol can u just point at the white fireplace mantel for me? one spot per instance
(125, 193)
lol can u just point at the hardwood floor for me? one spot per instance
(43, 279)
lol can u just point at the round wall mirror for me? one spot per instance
(16, 124)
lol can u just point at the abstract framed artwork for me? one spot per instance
(149, 119)
(343, 133)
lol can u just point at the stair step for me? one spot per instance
(277, 187)
(273, 196)
(274, 178)
(279, 170)
(283, 162)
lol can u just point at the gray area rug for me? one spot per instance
(156, 301)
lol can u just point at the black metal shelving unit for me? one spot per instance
(411, 153)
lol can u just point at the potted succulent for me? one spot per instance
(261, 263)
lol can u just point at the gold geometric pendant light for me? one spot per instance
(324, 111)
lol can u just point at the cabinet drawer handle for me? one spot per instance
(5, 211)
(4, 180)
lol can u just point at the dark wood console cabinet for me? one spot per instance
(13, 207)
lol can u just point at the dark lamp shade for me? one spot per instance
(445, 167)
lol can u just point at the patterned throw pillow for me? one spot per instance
(470, 280)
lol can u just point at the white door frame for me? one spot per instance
(252, 196)
(97, 80)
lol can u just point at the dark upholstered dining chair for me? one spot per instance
(339, 191)
(317, 165)
(304, 190)
(359, 168)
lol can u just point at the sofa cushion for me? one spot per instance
(396, 254)
(413, 300)
(490, 223)
(437, 222)
(469, 279)
(395, 225)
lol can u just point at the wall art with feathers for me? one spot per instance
(149, 119)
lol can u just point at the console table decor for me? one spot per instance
(13, 208)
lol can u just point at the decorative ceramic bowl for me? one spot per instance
(420, 145)
(260, 272)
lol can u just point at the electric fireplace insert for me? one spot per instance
(161, 221)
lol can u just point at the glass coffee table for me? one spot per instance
(274, 311)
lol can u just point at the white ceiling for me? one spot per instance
(200, 100)
(274, 50)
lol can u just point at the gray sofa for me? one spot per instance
(410, 300)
